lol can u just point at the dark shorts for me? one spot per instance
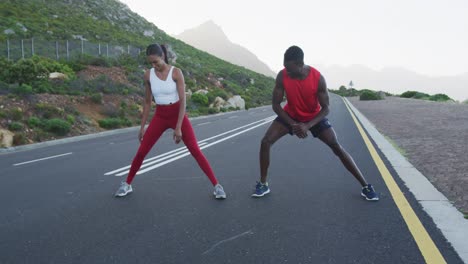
(324, 124)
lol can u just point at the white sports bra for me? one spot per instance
(164, 92)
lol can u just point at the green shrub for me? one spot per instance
(16, 114)
(71, 119)
(30, 70)
(213, 111)
(34, 122)
(57, 126)
(23, 89)
(15, 126)
(193, 113)
(110, 123)
(419, 95)
(369, 95)
(42, 86)
(415, 95)
(439, 98)
(4, 87)
(5, 65)
(48, 111)
(408, 94)
(199, 99)
(217, 92)
(96, 98)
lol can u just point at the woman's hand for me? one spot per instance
(177, 135)
(141, 134)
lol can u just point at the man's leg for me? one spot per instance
(328, 137)
(274, 132)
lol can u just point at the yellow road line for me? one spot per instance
(427, 247)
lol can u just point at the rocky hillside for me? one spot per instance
(98, 93)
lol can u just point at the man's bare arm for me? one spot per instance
(278, 95)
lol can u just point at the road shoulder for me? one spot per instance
(447, 218)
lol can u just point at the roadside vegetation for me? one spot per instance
(366, 95)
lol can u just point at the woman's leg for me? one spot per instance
(188, 136)
(154, 131)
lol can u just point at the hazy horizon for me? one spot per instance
(425, 37)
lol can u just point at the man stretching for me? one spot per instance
(306, 110)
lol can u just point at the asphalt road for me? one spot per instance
(57, 203)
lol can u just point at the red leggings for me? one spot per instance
(166, 117)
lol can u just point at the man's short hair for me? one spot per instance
(294, 53)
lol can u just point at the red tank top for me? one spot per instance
(302, 101)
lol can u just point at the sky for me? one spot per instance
(428, 37)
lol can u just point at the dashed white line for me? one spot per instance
(205, 123)
(36, 160)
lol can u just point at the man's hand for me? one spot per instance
(300, 130)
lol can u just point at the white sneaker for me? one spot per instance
(219, 192)
(124, 189)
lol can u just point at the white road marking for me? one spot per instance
(205, 123)
(36, 160)
(159, 157)
(203, 147)
(179, 153)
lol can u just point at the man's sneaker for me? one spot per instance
(219, 192)
(261, 189)
(124, 189)
(369, 193)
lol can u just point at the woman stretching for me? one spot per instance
(166, 84)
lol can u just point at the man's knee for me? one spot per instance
(336, 147)
(266, 142)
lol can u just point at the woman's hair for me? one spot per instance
(158, 50)
(294, 53)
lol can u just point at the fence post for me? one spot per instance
(82, 48)
(8, 49)
(128, 49)
(56, 50)
(32, 46)
(99, 49)
(68, 53)
(107, 50)
(22, 49)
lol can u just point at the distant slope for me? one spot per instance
(210, 37)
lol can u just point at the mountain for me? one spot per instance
(110, 21)
(210, 37)
(395, 80)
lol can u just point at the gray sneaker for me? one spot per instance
(124, 189)
(219, 192)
